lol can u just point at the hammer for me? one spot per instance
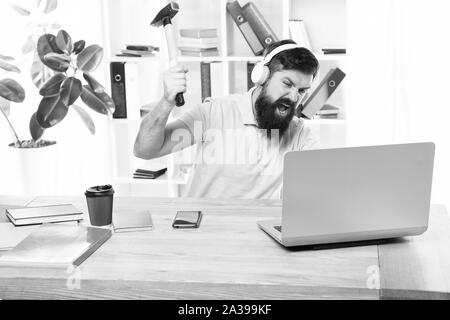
(164, 18)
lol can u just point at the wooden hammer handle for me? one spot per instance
(173, 54)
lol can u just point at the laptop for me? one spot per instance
(354, 194)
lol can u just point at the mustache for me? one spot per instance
(286, 102)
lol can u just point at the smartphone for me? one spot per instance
(187, 219)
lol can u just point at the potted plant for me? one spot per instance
(70, 62)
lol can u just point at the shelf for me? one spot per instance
(326, 121)
(134, 59)
(219, 58)
(200, 59)
(330, 57)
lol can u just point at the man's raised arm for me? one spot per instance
(154, 137)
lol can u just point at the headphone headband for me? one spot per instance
(261, 72)
(277, 50)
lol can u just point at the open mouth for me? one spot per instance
(283, 109)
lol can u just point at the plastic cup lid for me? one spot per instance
(100, 190)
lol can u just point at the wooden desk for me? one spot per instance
(229, 257)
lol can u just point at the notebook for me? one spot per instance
(3, 208)
(11, 236)
(44, 214)
(132, 221)
(56, 245)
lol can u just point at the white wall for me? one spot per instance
(398, 56)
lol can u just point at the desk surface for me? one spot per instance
(229, 257)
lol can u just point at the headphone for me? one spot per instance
(261, 71)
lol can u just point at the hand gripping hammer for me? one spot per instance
(164, 18)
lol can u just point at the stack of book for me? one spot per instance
(138, 51)
(328, 112)
(199, 42)
(334, 50)
(299, 34)
(148, 174)
(45, 214)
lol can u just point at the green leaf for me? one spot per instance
(64, 41)
(51, 111)
(21, 11)
(52, 86)
(50, 6)
(93, 84)
(11, 90)
(93, 101)
(107, 100)
(5, 106)
(47, 44)
(79, 46)
(29, 45)
(35, 128)
(40, 74)
(6, 58)
(90, 58)
(86, 118)
(57, 62)
(8, 67)
(70, 91)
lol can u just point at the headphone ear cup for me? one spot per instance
(256, 73)
(264, 75)
(260, 74)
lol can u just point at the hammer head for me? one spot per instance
(165, 15)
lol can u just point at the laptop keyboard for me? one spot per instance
(277, 228)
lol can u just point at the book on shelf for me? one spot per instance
(250, 66)
(299, 34)
(132, 221)
(137, 50)
(200, 53)
(199, 33)
(211, 80)
(138, 53)
(139, 47)
(244, 26)
(334, 50)
(56, 245)
(326, 116)
(328, 109)
(148, 174)
(203, 43)
(263, 31)
(197, 49)
(44, 214)
(205, 79)
(321, 94)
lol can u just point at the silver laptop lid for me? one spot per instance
(360, 189)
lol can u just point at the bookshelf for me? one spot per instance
(325, 21)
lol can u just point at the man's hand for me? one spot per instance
(174, 83)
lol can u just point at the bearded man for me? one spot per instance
(242, 138)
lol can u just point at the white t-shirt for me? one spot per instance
(234, 158)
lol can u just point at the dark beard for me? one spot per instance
(266, 113)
